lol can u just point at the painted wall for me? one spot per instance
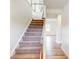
(58, 29)
(65, 29)
(44, 11)
(52, 13)
(50, 27)
(21, 13)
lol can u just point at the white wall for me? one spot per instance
(44, 11)
(65, 29)
(21, 13)
(58, 29)
(52, 13)
(50, 26)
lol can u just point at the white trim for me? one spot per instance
(13, 51)
(66, 53)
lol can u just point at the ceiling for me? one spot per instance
(55, 4)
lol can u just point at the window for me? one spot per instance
(29, 1)
(37, 5)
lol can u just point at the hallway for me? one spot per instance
(53, 49)
(30, 46)
(39, 29)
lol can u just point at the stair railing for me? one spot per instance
(42, 42)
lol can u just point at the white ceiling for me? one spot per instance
(55, 4)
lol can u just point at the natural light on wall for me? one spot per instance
(59, 19)
(29, 1)
(48, 41)
(47, 27)
(37, 6)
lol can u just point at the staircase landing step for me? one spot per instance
(26, 56)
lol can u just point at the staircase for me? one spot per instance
(30, 46)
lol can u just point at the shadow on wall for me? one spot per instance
(20, 16)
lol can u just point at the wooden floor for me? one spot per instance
(53, 50)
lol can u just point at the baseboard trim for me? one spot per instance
(13, 51)
(66, 53)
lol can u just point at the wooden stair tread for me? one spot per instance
(30, 42)
(25, 48)
(38, 27)
(28, 50)
(33, 34)
(37, 23)
(32, 38)
(23, 56)
(30, 45)
(35, 29)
